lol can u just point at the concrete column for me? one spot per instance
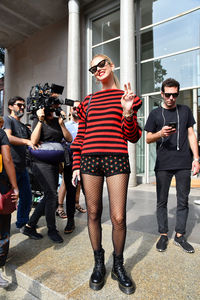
(73, 65)
(6, 83)
(127, 64)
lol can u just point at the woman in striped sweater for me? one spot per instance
(108, 119)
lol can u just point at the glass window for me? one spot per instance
(106, 28)
(110, 49)
(140, 152)
(153, 11)
(179, 34)
(1, 102)
(103, 30)
(183, 67)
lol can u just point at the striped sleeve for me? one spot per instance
(76, 146)
(131, 130)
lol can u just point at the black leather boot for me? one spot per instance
(99, 271)
(119, 273)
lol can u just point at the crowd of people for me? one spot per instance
(94, 146)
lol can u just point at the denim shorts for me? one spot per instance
(102, 165)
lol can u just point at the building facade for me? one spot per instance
(148, 42)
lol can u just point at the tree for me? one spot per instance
(159, 74)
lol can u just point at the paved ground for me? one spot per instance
(43, 270)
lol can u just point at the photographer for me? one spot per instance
(47, 128)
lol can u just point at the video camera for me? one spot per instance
(44, 97)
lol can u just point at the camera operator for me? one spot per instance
(47, 128)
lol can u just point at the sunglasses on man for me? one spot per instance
(20, 105)
(174, 95)
(101, 64)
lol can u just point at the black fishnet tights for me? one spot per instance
(117, 190)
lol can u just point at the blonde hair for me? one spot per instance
(116, 80)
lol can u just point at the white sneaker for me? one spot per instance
(3, 283)
(197, 202)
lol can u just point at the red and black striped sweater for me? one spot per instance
(106, 131)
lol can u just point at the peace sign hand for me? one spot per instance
(129, 100)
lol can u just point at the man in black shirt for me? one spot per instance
(19, 138)
(171, 127)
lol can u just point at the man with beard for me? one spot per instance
(19, 138)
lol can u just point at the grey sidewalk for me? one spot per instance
(47, 271)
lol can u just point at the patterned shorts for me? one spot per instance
(105, 165)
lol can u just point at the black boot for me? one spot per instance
(99, 271)
(118, 273)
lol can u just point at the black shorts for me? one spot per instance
(102, 165)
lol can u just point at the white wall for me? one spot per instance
(40, 59)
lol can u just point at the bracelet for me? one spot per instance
(196, 159)
(128, 115)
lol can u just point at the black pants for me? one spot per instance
(4, 237)
(71, 192)
(163, 181)
(47, 175)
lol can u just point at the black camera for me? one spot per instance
(42, 96)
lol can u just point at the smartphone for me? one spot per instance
(76, 181)
(172, 124)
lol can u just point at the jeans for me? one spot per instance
(71, 192)
(25, 198)
(163, 181)
(4, 237)
(48, 180)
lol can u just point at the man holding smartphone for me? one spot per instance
(171, 127)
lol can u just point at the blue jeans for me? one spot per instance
(25, 198)
(163, 181)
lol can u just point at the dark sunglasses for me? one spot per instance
(174, 95)
(101, 64)
(20, 105)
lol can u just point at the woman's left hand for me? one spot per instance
(130, 102)
(127, 99)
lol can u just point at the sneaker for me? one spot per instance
(181, 242)
(197, 202)
(21, 229)
(55, 237)
(70, 226)
(161, 245)
(32, 233)
(3, 283)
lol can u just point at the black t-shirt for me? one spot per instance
(3, 138)
(3, 176)
(51, 131)
(18, 152)
(173, 152)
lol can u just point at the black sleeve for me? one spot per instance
(7, 123)
(191, 120)
(150, 125)
(3, 138)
